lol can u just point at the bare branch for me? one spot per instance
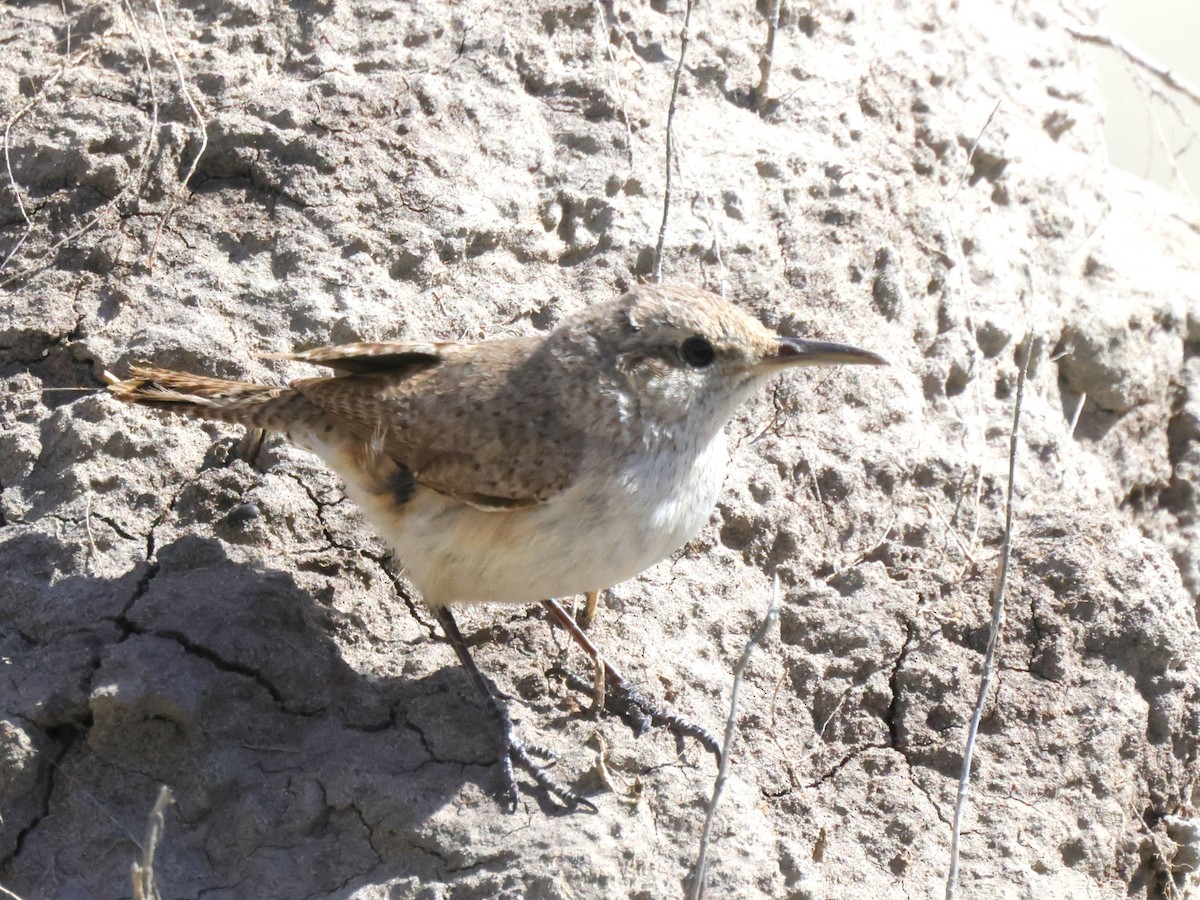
(1135, 56)
(617, 86)
(43, 260)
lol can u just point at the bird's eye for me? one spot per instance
(697, 352)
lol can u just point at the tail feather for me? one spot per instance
(236, 402)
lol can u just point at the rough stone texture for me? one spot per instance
(389, 170)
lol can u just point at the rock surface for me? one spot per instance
(380, 170)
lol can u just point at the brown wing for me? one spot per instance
(480, 423)
(396, 358)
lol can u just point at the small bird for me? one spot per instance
(523, 469)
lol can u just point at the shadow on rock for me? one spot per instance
(217, 679)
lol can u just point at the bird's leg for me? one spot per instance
(626, 700)
(585, 618)
(588, 615)
(250, 445)
(512, 748)
(599, 682)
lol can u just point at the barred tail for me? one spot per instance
(236, 402)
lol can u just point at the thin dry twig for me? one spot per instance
(1156, 127)
(838, 573)
(837, 708)
(1165, 859)
(962, 548)
(67, 65)
(62, 4)
(961, 264)
(1138, 58)
(709, 218)
(776, 415)
(632, 793)
(87, 524)
(144, 49)
(201, 127)
(43, 259)
(142, 873)
(707, 215)
(816, 486)
(591, 600)
(1075, 414)
(768, 59)
(670, 154)
(739, 672)
(974, 148)
(7, 893)
(618, 88)
(999, 586)
(598, 685)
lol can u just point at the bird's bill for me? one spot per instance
(801, 352)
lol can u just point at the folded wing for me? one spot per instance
(477, 422)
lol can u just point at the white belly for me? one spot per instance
(602, 530)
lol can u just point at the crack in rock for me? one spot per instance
(73, 736)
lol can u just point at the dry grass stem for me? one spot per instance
(631, 792)
(1172, 154)
(739, 672)
(962, 547)
(1001, 582)
(44, 258)
(670, 153)
(618, 88)
(201, 128)
(709, 218)
(960, 262)
(1075, 413)
(863, 554)
(142, 873)
(16, 117)
(767, 61)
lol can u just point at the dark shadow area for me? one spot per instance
(220, 680)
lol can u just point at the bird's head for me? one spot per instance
(687, 354)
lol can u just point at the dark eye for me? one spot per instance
(697, 352)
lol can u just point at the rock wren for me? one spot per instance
(527, 468)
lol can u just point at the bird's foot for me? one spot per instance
(639, 712)
(515, 752)
(621, 696)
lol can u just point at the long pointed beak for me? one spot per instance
(801, 352)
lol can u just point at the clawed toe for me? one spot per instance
(514, 750)
(632, 704)
(517, 752)
(622, 697)
(639, 713)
